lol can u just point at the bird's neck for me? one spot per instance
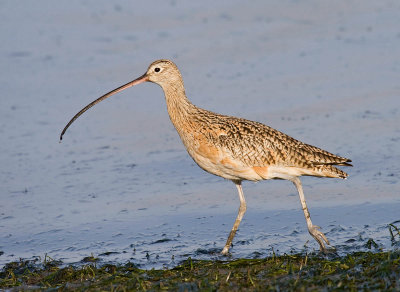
(178, 105)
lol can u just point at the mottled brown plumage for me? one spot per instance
(234, 148)
(253, 144)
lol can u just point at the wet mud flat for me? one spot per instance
(166, 240)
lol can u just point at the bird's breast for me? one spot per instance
(216, 159)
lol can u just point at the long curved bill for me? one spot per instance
(139, 80)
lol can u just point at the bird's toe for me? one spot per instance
(319, 237)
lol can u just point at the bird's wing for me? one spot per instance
(256, 144)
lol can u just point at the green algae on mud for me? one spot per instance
(359, 270)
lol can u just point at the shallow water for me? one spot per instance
(121, 184)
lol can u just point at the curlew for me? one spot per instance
(234, 148)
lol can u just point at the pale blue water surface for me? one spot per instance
(121, 186)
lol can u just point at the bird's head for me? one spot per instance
(163, 73)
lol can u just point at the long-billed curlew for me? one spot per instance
(235, 148)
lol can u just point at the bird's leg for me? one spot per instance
(312, 229)
(242, 210)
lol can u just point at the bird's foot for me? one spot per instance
(225, 250)
(319, 237)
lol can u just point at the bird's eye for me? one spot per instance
(157, 69)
